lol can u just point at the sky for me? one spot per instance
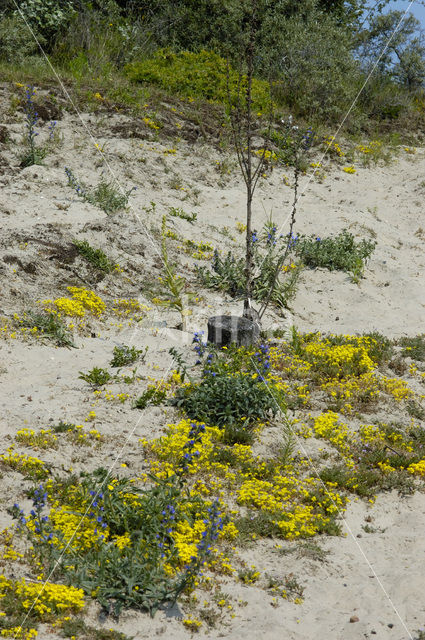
(417, 9)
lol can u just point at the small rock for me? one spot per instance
(354, 619)
(390, 625)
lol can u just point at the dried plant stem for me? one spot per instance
(288, 246)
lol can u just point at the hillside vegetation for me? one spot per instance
(154, 483)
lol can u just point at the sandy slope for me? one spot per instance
(39, 214)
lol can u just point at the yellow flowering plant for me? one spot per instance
(130, 547)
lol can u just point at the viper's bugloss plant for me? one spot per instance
(223, 399)
(227, 272)
(119, 543)
(96, 257)
(34, 154)
(105, 195)
(341, 252)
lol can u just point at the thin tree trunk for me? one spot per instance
(249, 189)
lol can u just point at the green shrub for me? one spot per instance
(96, 377)
(319, 76)
(96, 257)
(125, 546)
(125, 355)
(341, 253)
(228, 272)
(220, 399)
(152, 396)
(196, 75)
(50, 326)
(46, 17)
(101, 37)
(16, 42)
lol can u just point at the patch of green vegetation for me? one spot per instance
(105, 195)
(255, 524)
(122, 554)
(367, 481)
(228, 272)
(152, 396)
(414, 347)
(63, 427)
(235, 433)
(201, 75)
(178, 212)
(125, 355)
(221, 399)
(312, 551)
(341, 253)
(50, 326)
(95, 257)
(77, 628)
(173, 293)
(96, 377)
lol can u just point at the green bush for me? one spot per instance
(221, 399)
(96, 377)
(319, 76)
(46, 17)
(125, 355)
(16, 42)
(228, 272)
(101, 37)
(196, 75)
(340, 253)
(123, 559)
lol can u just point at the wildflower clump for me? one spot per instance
(332, 148)
(341, 252)
(124, 545)
(43, 439)
(28, 465)
(417, 468)
(82, 302)
(45, 599)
